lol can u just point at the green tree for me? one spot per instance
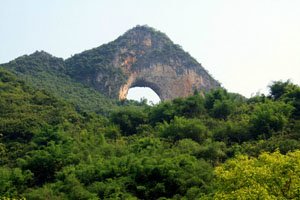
(280, 88)
(129, 118)
(270, 176)
(222, 109)
(269, 117)
(181, 128)
(13, 181)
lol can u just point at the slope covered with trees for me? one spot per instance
(44, 71)
(221, 146)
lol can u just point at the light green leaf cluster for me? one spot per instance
(270, 176)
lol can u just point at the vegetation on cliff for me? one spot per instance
(106, 68)
(220, 146)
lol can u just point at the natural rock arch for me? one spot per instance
(165, 81)
(138, 82)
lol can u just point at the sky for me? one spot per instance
(244, 44)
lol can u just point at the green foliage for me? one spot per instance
(24, 112)
(181, 128)
(215, 147)
(213, 151)
(40, 70)
(164, 111)
(46, 192)
(43, 163)
(269, 117)
(128, 119)
(192, 106)
(220, 104)
(222, 109)
(233, 131)
(288, 92)
(278, 89)
(13, 180)
(270, 176)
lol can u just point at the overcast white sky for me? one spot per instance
(245, 44)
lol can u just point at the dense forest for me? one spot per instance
(214, 146)
(43, 71)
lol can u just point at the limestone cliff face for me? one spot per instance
(141, 57)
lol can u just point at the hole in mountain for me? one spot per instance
(139, 93)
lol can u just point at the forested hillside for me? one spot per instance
(217, 146)
(43, 71)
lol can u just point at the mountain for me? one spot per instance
(95, 79)
(141, 57)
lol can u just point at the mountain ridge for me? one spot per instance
(114, 67)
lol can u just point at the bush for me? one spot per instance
(181, 128)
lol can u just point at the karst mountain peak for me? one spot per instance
(141, 57)
(144, 36)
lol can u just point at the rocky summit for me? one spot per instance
(142, 57)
